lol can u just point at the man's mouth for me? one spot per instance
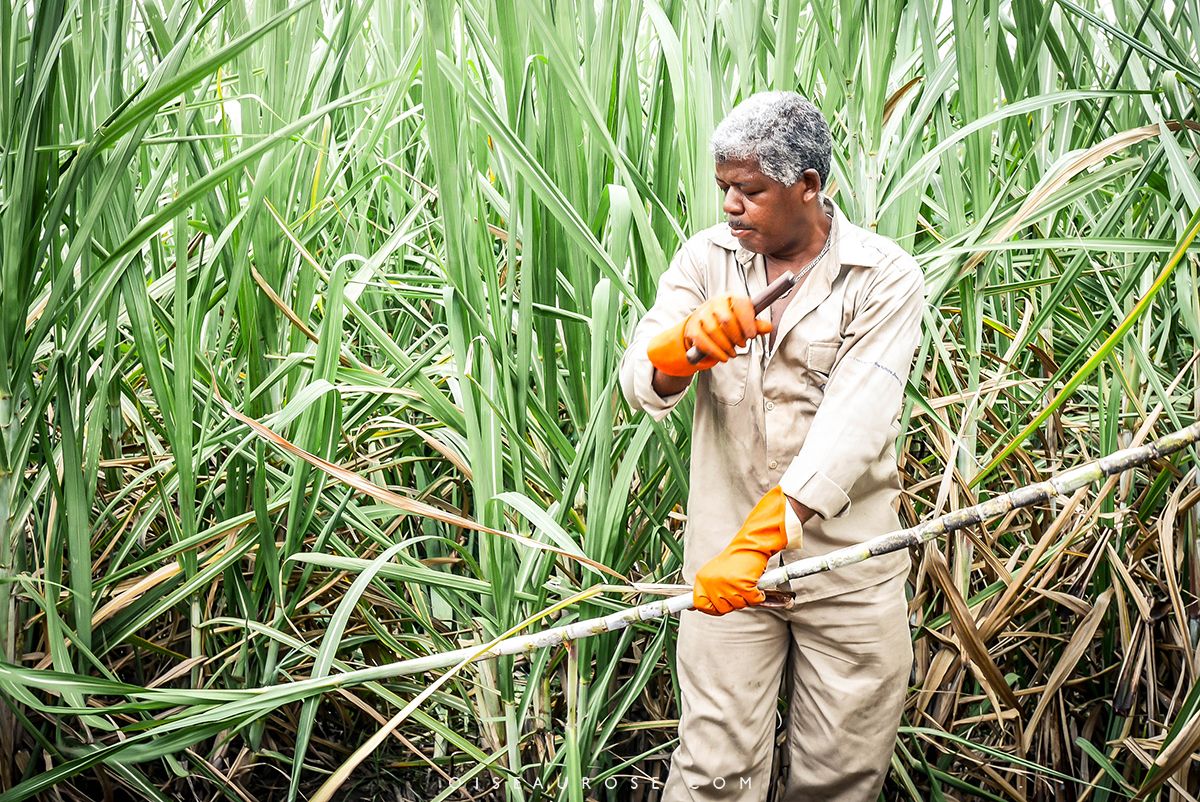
(739, 230)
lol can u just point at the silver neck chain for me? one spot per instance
(824, 250)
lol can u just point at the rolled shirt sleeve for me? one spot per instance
(863, 394)
(680, 291)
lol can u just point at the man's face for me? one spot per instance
(766, 216)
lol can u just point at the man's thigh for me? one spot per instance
(850, 666)
(730, 668)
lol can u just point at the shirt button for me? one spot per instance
(773, 464)
(770, 406)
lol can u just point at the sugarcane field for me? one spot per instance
(610, 401)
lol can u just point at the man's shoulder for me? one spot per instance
(708, 246)
(717, 235)
(893, 270)
(866, 248)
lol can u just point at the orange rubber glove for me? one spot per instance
(717, 326)
(728, 581)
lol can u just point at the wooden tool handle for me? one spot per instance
(779, 599)
(774, 291)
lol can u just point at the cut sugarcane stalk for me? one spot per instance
(1062, 484)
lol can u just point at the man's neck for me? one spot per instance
(808, 246)
(799, 257)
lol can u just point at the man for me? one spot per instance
(793, 443)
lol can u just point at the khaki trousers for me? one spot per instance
(849, 657)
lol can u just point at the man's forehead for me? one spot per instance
(738, 172)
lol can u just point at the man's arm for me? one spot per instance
(802, 512)
(665, 385)
(863, 395)
(680, 291)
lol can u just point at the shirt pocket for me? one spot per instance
(727, 380)
(820, 356)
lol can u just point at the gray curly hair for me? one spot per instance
(782, 131)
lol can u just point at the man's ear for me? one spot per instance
(812, 184)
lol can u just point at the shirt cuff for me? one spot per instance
(655, 405)
(815, 490)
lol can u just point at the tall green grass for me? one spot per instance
(411, 238)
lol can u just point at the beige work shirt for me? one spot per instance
(816, 413)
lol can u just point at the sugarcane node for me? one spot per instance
(761, 300)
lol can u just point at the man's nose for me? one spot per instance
(733, 202)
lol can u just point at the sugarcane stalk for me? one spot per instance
(1062, 484)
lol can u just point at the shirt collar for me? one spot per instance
(848, 241)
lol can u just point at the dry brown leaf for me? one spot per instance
(1070, 657)
(990, 676)
(1174, 757)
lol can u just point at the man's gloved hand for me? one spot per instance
(728, 581)
(717, 326)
